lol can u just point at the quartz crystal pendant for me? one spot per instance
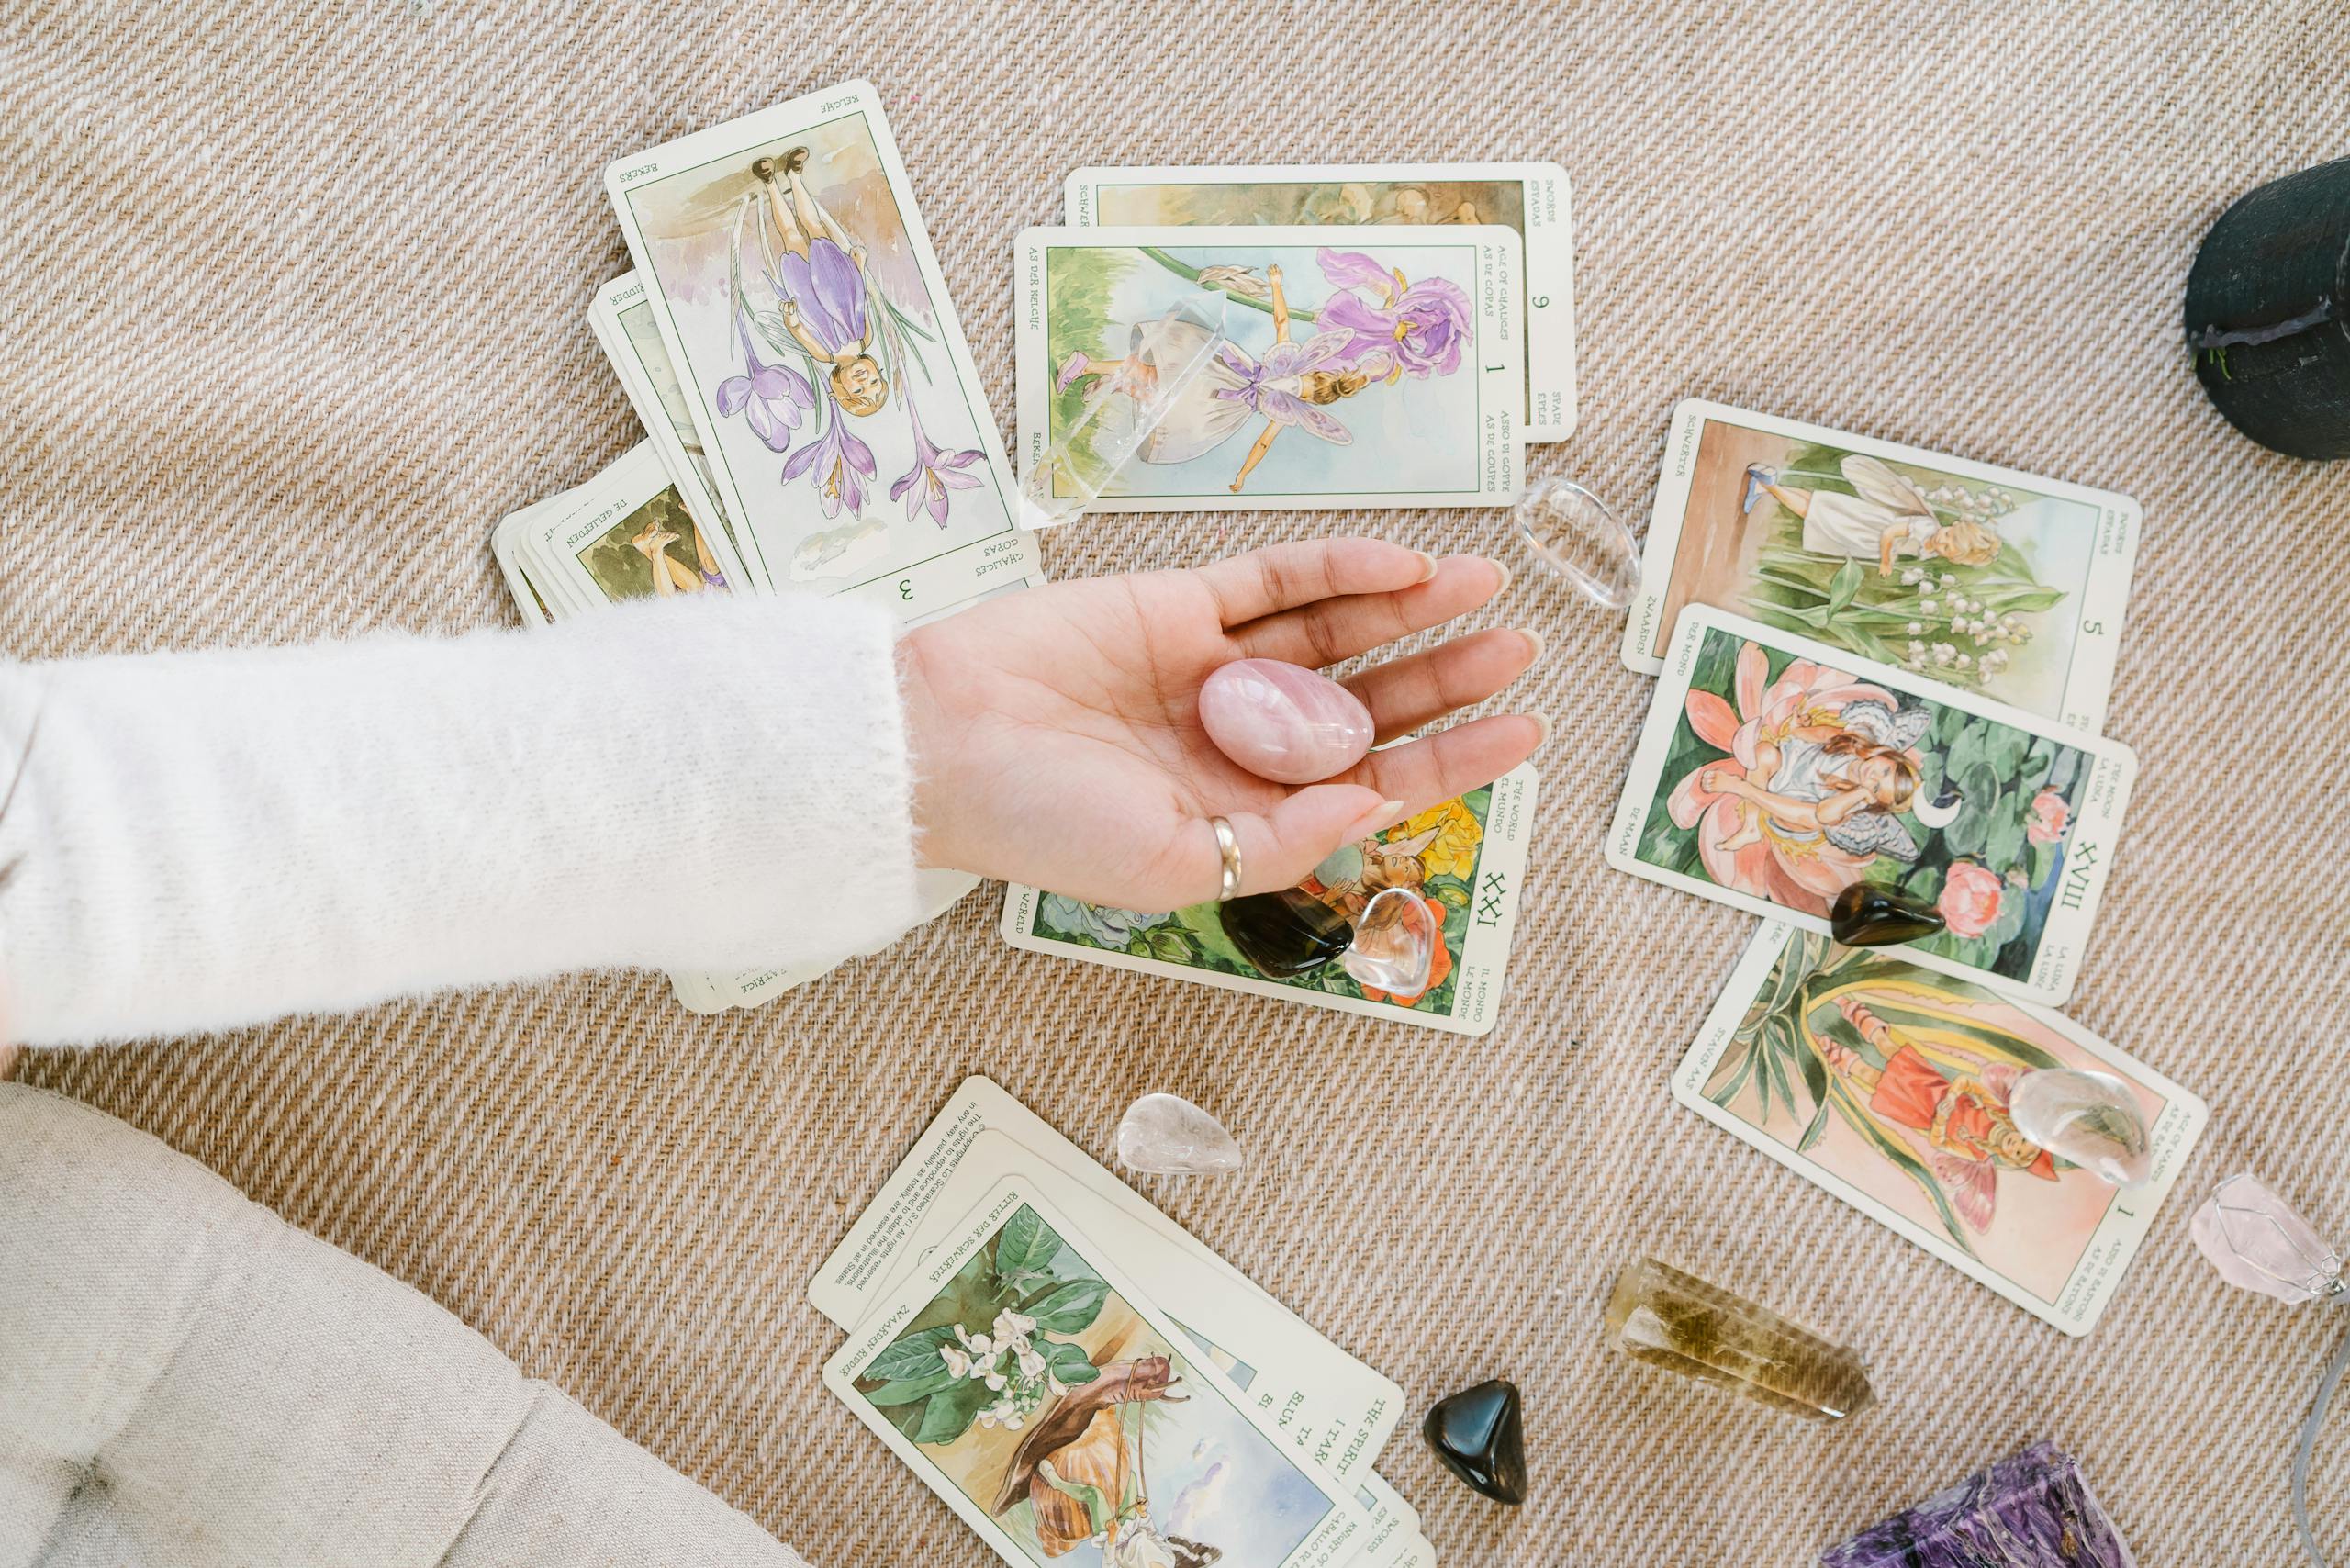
(2258, 1243)
(2031, 1510)
(1284, 722)
(1284, 933)
(1667, 1318)
(1869, 914)
(2090, 1118)
(1481, 1438)
(1394, 944)
(1165, 1135)
(1573, 531)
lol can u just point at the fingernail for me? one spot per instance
(1429, 571)
(1385, 815)
(1505, 573)
(1541, 727)
(1534, 642)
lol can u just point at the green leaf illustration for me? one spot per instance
(950, 1412)
(1026, 1244)
(914, 1356)
(1072, 1308)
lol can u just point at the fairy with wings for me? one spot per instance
(1288, 388)
(1951, 1106)
(1848, 782)
(1888, 517)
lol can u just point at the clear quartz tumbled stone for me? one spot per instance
(1573, 531)
(1165, 1135)
(2258, 1243)
(1394, 944)
(2090, 1118)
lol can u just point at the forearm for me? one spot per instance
(204, 840)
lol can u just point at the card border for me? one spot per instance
(1501, 454)
(808, 112)
(1020, 903)
(1550, 328)
(2174, 1136)
(2104, 800)
(2105, 601)
(860, 1348)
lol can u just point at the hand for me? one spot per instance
(1273, 273)
(1056, 733)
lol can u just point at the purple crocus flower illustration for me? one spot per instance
(836, 464)
(772, 395)
(924, 486)
(1418, 327)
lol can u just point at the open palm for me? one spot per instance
(1057, 739)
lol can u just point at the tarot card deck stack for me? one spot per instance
(1879, 666)
(1068, 1368)
(788, 343)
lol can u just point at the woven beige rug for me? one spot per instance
(296, 306)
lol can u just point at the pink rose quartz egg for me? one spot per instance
(1284, 724)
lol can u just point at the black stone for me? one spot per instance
(2266, 315)
(1869, 914)
(1287, 932)
(1479, 1437)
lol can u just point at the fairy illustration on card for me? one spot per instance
(1788, 779)
(1336, 372)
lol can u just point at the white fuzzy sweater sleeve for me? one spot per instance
(197, 841)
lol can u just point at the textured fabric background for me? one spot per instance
(294, 307)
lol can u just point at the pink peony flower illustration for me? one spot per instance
(1970, 900)
(2048, 815)
(1800, 873)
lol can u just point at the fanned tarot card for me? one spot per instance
(1888, 1085)
(1774, 772)
(1532, 198)
(797, 294)
(1973, 576)
(1366, 367)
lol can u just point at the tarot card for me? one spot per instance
(1372, 367)
(624, 534)
(939, 891)
(799, 301)
(631, 339)
(1774, 771)
(1055, 1409)
(1532, 198)
(1887, 1084)
(504, 545)
(1982, 578)
(1341, 1411)
(1466, 857)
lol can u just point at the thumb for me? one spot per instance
(1280, 846)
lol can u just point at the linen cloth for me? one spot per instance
(278, 263)
(188, 1380)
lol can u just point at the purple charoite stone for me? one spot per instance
(2031, 1510)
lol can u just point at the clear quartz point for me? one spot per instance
(1575, 535)
(1120, 404)
(2258, 1243)
(1165, 1135)
(2090, 1118)
(1394, 944)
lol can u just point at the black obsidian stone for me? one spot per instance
(1287, 932)
(2267, 315)
(1478, 1435)
(1868, 915)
